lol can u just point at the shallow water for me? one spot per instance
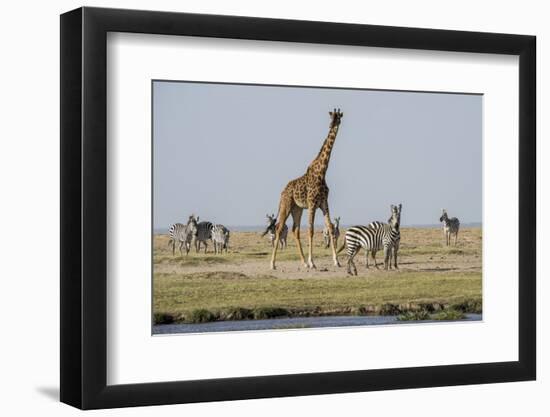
(290, 323)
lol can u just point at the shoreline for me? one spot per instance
(203, 315)
(307, 323)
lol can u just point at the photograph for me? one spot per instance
(282, 207)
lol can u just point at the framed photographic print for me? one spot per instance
(258, 207)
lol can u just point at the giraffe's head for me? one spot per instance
(443, 215)
(335, 117)
(395, 219)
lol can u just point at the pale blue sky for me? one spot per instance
(225, 152)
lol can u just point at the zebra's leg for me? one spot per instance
(352, 270)
(373, 254)
(456, 236)
(328, 224)
(284, 211)
(395, 257)
(387, 253)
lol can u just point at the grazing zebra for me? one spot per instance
(372, 238)
(179, 233)
(202, 232)
(270, 231)
(220, 238)
(450, 227)
(336, 230)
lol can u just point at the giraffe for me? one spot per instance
(310, 191)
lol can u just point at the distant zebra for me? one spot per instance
(202, 232)
(336, 229)
(450, 227)
(179, 233)
(372, 238)
(270, 231)
(220, 238)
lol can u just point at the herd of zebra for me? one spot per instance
(372, 238)
(197, 233)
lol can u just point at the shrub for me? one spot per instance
(237, 313)
(414, 316)
(468, 306)
(163, 318)
(269, 312)
(449, 315)
(201, 315)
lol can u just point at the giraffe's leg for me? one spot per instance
(284, 211)
(296, 219)
(328, 224)
(310, 222)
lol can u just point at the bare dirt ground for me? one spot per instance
(422, 250)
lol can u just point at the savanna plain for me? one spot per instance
(434, 281)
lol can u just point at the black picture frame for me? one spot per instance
(84, 207)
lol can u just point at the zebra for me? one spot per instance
(220, 238)
(270, 231)
(336, 230)
(179, 233)
(395, 247)
(202, 232)
(450, 227)
(374, 237)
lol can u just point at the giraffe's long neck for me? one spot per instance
(320, 163)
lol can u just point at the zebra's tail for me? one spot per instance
(343, 246)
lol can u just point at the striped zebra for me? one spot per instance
(178, 233)
(395, 248)
(202, 232)
(336, 229)
(270, 231)
(372, 238)
(450, 227)
(220, 238)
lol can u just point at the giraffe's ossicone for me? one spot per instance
(310, 191)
